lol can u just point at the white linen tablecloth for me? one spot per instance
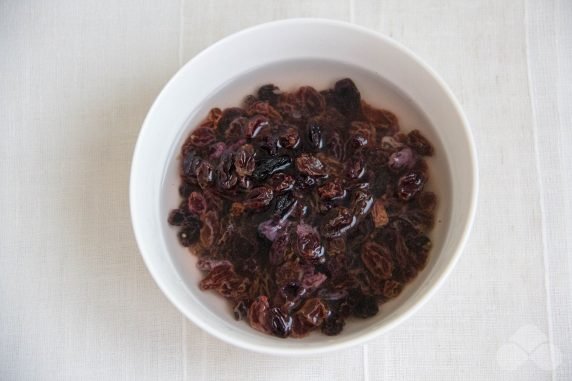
(77, 303)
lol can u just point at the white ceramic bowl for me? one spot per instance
(291, 53)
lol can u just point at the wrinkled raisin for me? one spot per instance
(366, 307)
(258, 198)
(280, 324)
(269, 93)
(410, 184)
(333, 325)
(189, 234)
(347, 97)
(310, 165)
(419, 143)
(267, 167)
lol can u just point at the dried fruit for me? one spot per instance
(310, 165)
(314, 135)
(355, 168)
(338, 222)
(309, 245)
(333, 325)
(379, 214)
(362, 200)
(419, 143)
(305, 207)
(227, 116)
(271, 229)
(312, 100)
(258, 198)
(269, 93)
(189, 234)
(365, 307)
(289, 138)
(332, 190)
(313, 312)
(202, 137)
(178, 217)
(267, 167)
(209, 229)
(280, 323)
(205, 174)
(376, 259)
(197, 203)
(244, 160)
(281, 182)
(259, 314)
(410, 184)
(391, 289)
(401, 160)
(347, 97)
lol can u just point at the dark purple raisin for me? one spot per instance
(189, 234)
(177, 217)
(202, 137)
(333, 325)
(259, 198)
(312, 100)
(205, 174)
(244, 160)
(259, 313)
(197, 203)
(332, 190)
(347, 97)
(226, 179)
(365, 307)
(419, 244)
(410, 184)
(289, 138)
(190, 163)
(227, 116)
(335, 147)
(310, 165)
(401, 160)
(256, 125)
(313, 312)
(338, 222)
(314, 135)
(283, 204)
(237, 129)
(266, 167)
(269, 93)
(309, 245)
(280, 323)
(419, 143)
(185, 189)
(355, 167)
(305, 182)
(380, 182)
(282, 182)
(270, 229)
(362, 201)
(376, 259)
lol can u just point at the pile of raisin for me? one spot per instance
(305, 208)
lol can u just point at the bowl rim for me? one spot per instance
(365, 336)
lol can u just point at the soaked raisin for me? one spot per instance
(189, 234)
(267, 167)
(365, 307)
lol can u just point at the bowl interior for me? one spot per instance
(304, 55)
